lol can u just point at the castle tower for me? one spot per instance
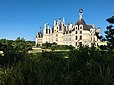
(63, 25)
(76, 34)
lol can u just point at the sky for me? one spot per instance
(23, 18)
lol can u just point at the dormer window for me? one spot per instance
(81, 27)
(76, 28)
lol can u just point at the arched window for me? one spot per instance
(76, 28)
(81, 27)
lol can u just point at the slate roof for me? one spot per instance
(81, 21)
(90, 26)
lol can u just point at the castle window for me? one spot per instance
(76, 28)
(76, 32)
(81, 27)
(60, 28)
(80, 37)
(80, 43)
(76, 44)
(76, 37)
(80, 32)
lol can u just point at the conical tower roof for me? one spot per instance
(81, 21)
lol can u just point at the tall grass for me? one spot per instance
(85, 66)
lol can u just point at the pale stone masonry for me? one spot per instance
(78, 34)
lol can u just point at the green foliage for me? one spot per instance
(84, 66)
(19, 45)
(54, 46)
(14, 50)
(46, 45)
(110, 33)
(62, 47)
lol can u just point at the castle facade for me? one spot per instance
(76, 34)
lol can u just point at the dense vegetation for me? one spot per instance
(54, 46)
(110, 33)
(16, 45)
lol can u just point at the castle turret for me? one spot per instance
(63, 24)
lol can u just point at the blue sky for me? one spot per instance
(22, 18)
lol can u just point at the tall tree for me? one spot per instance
(110, 33)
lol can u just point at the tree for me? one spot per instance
(46, 45)
(110, 33)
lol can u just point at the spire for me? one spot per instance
(81, 20)
(63, 19)
(81, 13)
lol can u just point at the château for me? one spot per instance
(75, 34)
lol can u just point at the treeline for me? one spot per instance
(20, 45)
(13, 50)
